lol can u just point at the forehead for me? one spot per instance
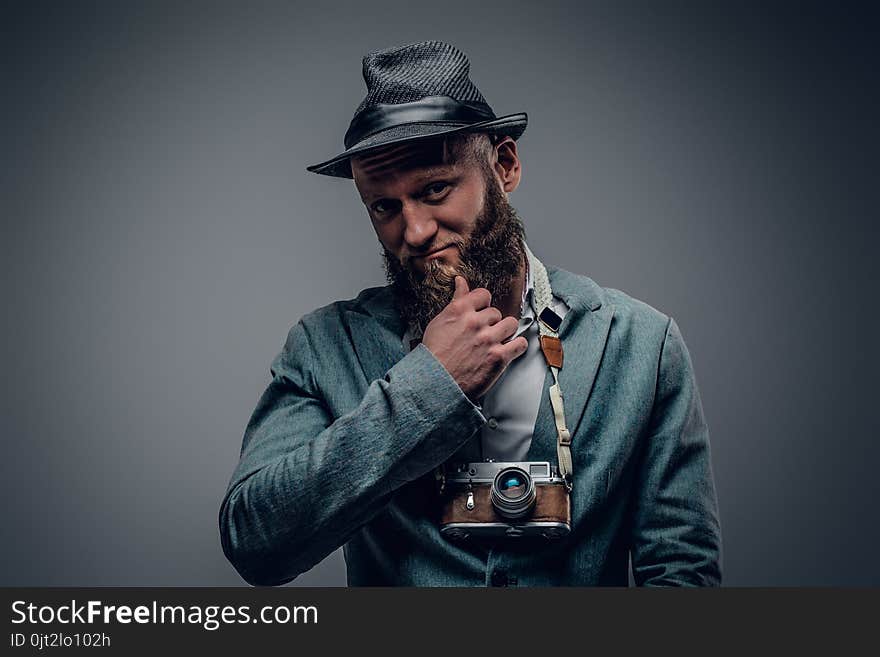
(407, 163)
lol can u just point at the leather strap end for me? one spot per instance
(552, 348)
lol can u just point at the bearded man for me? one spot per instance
(484, 419)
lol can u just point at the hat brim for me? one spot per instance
(340, 166)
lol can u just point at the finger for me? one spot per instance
(514, 349)
(481, 298)
(489, 316)
(461, 287)
(504, 328)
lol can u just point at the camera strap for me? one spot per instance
(551, 346)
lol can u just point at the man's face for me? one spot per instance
(420, 208)
(436, 220)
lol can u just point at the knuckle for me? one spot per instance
(508, 326)
(495, 357)
(460, 311)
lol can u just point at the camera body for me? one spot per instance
(504, 500)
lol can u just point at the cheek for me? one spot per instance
(390, 235)
(462, 213)
(457, 217)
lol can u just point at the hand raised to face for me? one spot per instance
(468, 338)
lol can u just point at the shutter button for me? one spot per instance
(493, 423)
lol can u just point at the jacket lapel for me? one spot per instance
(584, 332)
(376, 331)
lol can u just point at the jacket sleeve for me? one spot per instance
(306, 482)
(676, 535)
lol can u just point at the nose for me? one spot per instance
(420, 227)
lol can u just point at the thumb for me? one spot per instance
(461, 287)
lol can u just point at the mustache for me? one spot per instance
(406, 259)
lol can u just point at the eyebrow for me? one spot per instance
(430, 172)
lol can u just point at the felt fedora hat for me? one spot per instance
(417, 91)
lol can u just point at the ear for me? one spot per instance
(506, 164)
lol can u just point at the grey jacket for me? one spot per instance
(343, 443)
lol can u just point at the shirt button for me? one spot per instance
(492, 422)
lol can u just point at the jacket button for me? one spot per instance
(492, 422)
(499, 578)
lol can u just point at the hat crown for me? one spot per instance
(408, 73)
(417, 91)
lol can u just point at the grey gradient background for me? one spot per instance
(161, 234)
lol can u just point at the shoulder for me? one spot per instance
(633, 310)
(326, 328)
(581, 290)
(330, 318)
(631, 318)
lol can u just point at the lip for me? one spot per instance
(435, 253)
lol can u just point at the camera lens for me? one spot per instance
(513, 493)
(513, 486)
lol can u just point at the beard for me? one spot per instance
(490, 257)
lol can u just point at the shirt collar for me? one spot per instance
(525, 308)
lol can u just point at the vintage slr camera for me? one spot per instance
(505, 499)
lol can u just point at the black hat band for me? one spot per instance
(428, 109)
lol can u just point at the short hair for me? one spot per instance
(469, 147)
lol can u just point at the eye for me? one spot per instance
(436, 188)
(381, 207)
